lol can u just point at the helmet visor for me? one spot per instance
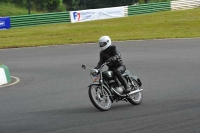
(102, 44)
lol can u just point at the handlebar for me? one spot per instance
(96, 71)
(84, 66)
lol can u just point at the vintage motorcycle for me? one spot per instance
(106, 88)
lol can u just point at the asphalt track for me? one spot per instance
(52, 95)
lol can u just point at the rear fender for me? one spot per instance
(136, 79)
(128, 74)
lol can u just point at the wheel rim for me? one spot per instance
(102, 101)
(137, 96)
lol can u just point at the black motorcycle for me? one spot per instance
(106, 88)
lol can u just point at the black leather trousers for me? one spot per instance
(118, 71)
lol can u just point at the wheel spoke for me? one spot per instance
(135, 98)
(101, 101)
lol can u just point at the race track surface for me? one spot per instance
(52, 95)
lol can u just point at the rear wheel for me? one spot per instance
(101, 102)
(136, 98)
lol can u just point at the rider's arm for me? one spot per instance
(101, 61)
(116, 57)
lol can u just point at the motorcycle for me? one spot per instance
(106, 88)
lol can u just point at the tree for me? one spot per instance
(46, 5)
(72, 5)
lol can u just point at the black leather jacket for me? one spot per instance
(112, 55)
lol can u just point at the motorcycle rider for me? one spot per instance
(109, 53)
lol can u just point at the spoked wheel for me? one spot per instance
(101, 102)
(136, 98)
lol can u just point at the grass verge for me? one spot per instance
(169, 24)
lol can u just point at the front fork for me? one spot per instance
(105, 88)
(101, 82)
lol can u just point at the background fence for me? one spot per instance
(148, 8)
(184, 4)
(37, 19)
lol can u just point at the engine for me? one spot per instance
(118, 89)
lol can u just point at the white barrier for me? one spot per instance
(3, 79)
(4, 75)
(125, 10)
(184, 4)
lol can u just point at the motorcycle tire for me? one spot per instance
(135, 99)
(101, 102)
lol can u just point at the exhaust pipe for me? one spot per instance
(136, 91)
(125, 95)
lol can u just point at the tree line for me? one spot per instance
(72, 5)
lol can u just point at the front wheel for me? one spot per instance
(99, 100)
(136, 98)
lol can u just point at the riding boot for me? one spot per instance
(127, 88)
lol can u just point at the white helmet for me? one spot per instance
(104, 42)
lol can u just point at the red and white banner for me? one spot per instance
(96, 14)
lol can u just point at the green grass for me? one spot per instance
(169, 24)
(7, 9)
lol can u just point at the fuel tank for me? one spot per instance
(108, 75)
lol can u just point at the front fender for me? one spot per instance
(94, 84)
(136, 79)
